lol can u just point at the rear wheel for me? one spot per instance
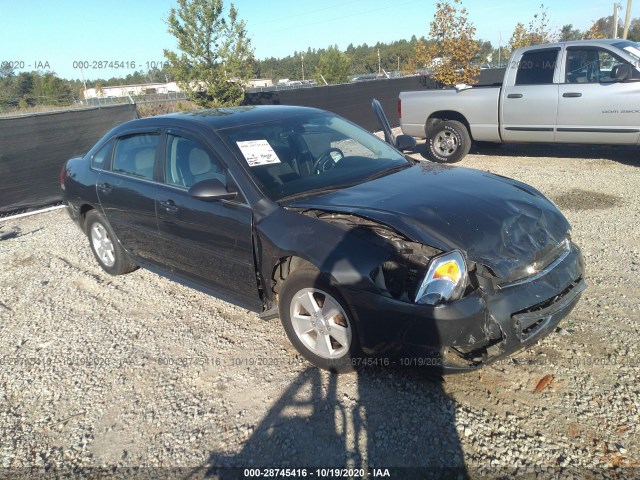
(448, 141)
(105, 246)
(318, 322)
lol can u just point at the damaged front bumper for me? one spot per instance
(476, 330)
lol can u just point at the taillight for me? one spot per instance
(63, 173)
(399, 108)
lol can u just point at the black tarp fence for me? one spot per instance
(353, 100)
(33, 149)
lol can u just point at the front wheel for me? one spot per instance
(318, 322)
(448, 141)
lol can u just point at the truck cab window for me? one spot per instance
(591, 65)
(537, 67)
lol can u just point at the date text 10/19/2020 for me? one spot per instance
(317, 472)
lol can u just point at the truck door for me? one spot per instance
(529, 102)
(594, 106)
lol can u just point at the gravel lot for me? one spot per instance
(138, 371)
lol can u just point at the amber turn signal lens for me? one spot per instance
(448, 270)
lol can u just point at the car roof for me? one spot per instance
(222, 118)
(576, 43)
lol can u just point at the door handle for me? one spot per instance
(169, 206)
(514, 95)
(571, 95)
(104, 187)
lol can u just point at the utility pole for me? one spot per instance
(627, 19)
(616, 7)
(379, 68)
(302, 67)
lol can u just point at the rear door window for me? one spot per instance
(135, 155)
(537, 67)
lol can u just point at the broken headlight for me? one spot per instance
(445, 281)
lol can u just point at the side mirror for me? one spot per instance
(405, 142)
(211, 189)
(622, 72)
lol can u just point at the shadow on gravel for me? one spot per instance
(378, 418)
(625, 154)
(402, 421)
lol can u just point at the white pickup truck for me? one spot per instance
(585, 91)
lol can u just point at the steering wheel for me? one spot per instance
(326, 161)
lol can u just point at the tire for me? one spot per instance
(329, 339)
(448, 141)
(105, 245)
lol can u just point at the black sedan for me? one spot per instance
(361, 252)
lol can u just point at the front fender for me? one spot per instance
(345, 256)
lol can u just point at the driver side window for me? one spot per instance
(187, 162)
(591, 65)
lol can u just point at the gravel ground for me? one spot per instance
(138, 371)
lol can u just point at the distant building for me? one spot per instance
(259, 83)
(131, 90)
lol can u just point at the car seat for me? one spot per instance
(201, 167)
(144, 161)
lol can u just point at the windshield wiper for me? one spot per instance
(386, 171)
(316, 191)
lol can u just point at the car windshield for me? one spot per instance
(310, 154)
(632, 48)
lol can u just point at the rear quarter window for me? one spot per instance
(101, 160)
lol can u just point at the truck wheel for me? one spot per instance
(448, 141)
(318, 322)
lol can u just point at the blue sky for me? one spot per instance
(55, 34)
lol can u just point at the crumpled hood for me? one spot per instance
(501, 223)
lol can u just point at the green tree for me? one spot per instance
(484, 53)
(215, 52)
(6, 71)
(7, 87)
(334, 66)
(568, 33)
(24, 88)
(634, 30)
(49, 89)
(453, 43)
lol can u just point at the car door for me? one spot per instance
(593, 106)
(209, 242)
(126, 190)
(529, 102)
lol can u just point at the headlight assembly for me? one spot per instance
(445, 281)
